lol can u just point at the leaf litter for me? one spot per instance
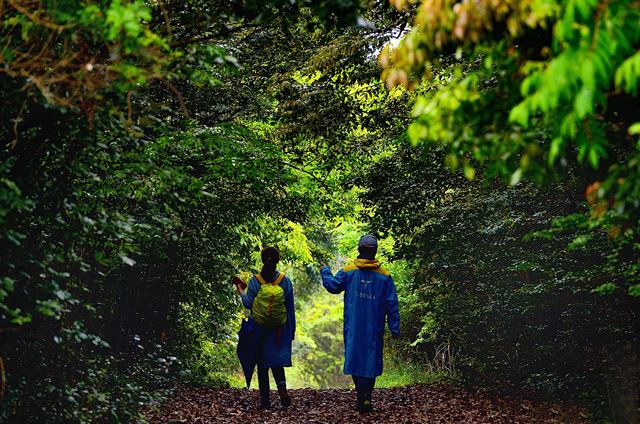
(433, 404)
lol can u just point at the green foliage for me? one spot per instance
(215, 364)
(145, 159)
(88, 52)
(557, 88)
(404, 370)
(542, 91)
(319, 347)
(492, 284)
(150, 150)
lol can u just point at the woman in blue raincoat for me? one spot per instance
(273, 344)
(369, 299)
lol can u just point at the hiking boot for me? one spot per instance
(265, 403)
(364, 406)
(264, 406)
(285, 399)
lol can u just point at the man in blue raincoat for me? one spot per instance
(369, 297)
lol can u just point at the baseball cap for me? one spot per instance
(368, 241)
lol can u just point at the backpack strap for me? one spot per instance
(263, 281)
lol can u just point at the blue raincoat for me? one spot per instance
(270, 351)
(369, 297)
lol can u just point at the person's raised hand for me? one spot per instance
(240, 285)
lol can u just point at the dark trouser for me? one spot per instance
(364, 387)
(263, 382)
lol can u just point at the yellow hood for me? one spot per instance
(366, 263)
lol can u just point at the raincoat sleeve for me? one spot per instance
(291, 310)
(333, 284)
(391, 307)
(250, 294)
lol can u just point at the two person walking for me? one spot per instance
(370, 299)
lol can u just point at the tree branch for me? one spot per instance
(297, 168)
(37, 20)
(227, 31)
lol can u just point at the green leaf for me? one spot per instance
(469, 172)
(21, 319)
(417, 132)
(451, 160)
(628, 74)
(520, 115)
(604, 289)
(8, 283)
(584, 102)
(516, 177)
(554, 151)
(594, 158)
(634, 129)
(127, 260)
(580, 241)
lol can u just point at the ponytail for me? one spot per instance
(270, 258)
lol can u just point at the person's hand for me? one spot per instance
(240, 285)
(322, 265)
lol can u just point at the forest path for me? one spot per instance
(434, 403)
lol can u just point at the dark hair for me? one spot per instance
(367, 252)
(270, 258)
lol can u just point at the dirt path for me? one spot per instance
(437, 403)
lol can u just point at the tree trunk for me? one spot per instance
(622, 373)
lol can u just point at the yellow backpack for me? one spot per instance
(268, 306)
